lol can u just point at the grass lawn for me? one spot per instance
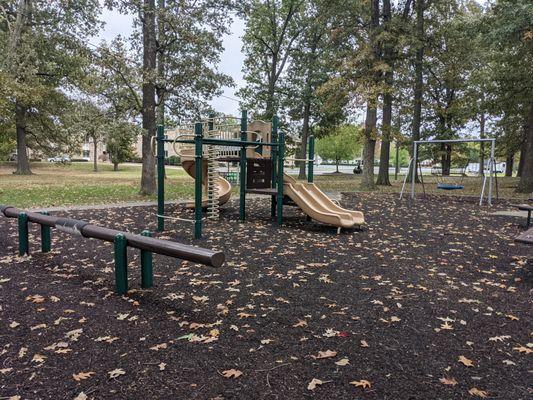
(61, 185)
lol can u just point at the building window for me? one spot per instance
(86, 153)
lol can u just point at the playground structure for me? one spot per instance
(121, 240)
(259, 148)
(414, 166)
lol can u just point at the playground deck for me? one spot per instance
(405, 304)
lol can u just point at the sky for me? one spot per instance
(231, 60)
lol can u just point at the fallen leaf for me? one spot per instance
(231, 373)
(466, 361)
(342, 362)
(81, 396)
(116, 373)
(83, 375)
(362, 383)
(325, 354)
(314, 383)
(479, 393)
(448, 381)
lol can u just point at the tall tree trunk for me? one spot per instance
(148, 91)
(95, 158)
(522, 159)
(161, 4)
(23, 162)
(269, 107)
(509, 163)
(526, 179)
(369, 146)
(482, 144)
(446, 158)
(384, 155)
(337, 165)
(305, 137)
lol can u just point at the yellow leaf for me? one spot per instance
(512, 317)
(83, 375)
(231, 373)
(300, 323)
(362, 383)
(314, 383)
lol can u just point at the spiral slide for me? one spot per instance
(224, 187)
(318, 206)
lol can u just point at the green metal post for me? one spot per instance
(198, 180)
(160, 178)
(46, 243)
(147, 274)
(281, 160)
(310, 165)
(24, 244)
(274, 152)
(244, 136)
(121, 263)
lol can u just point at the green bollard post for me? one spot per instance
(274, 152)
(160, 178)
(310, 164)
(147, 274)
(198, 180)
(46, 242)
(24, 244)
(121, 263)
(281, 160)
(242, 189)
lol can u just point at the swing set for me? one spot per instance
(446, 183)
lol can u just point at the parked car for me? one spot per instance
(64, 159)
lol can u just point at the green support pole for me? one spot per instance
(147, 274)
(274, 152)
(244, 136)
(46, 243)
(281, 160)
(160, 178)
(121, 263)
(310, 164)
(198, 180)
(24, 244)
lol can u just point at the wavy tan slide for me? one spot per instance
(224, 187)
(318, 206)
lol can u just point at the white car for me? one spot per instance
(59, 159)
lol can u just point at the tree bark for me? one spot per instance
(115, 166)
(509, 163)
(148, 104)
(369, 146)
(161, 4)
(521, 161)
(23, 162)
(305, 137)
(384, 155)
(95, 150)
(482, 144)
(526, 179)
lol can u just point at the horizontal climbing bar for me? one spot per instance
(88, 230)
(223, 142)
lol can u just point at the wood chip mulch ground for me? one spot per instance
(431, 300)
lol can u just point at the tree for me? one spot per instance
(271, 31)
(511, 39)
(44, 44)
(340, 146)
(180, 42)
(120, 141)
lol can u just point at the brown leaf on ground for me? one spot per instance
(342, 362)
(83, 375)
(363, 383)
(448, 381)
(116, 373)
(231, 373)
(466, 361)
(479, 393)
(325, 354)
(314, 383)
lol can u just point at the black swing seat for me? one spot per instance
(449, 186)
